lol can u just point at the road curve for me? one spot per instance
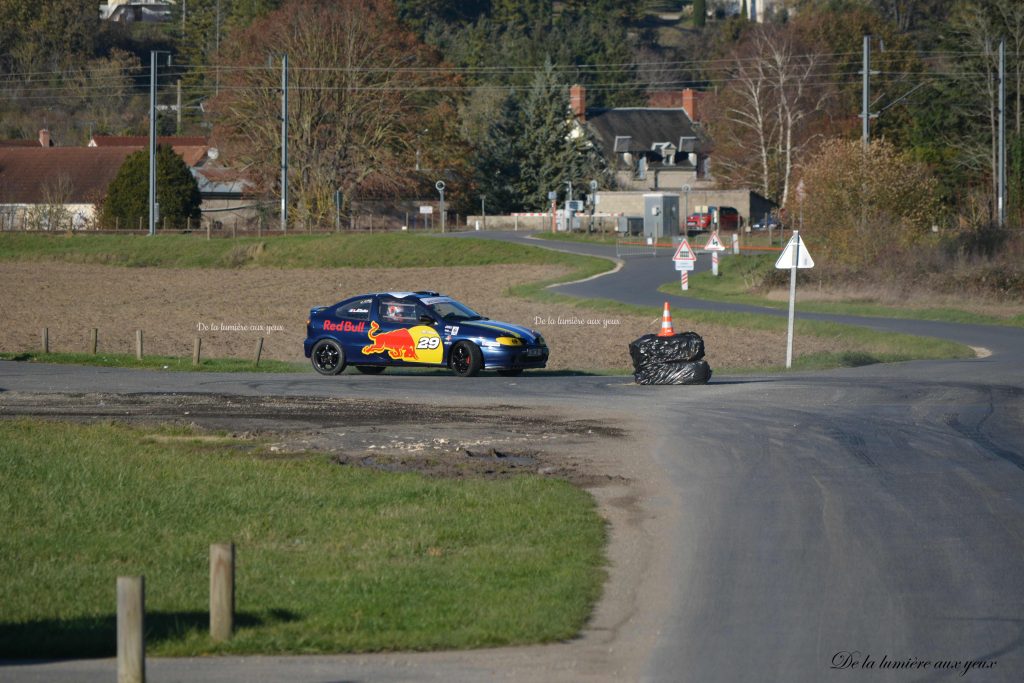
(796, 527)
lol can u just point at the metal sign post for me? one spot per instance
(792, 257)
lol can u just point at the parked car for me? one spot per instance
(767, 222)
(375, 331)
(728, 219)
(698, 221)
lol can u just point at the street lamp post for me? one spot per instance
(440, 188)
(483, 209)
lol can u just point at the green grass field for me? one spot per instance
(329, 558)
(357, 250)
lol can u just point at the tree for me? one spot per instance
(535, 148)
(700, 12)
(359, 94)
(43, 36)
(861, 203)
(766, 107)
(127, 199)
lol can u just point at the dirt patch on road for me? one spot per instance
(491, 441)
(171, 306)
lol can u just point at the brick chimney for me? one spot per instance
(44, 138)
(691, 103)
(578, 101)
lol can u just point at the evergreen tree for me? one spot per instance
(128, 195)
(535, 147)
(700, 12)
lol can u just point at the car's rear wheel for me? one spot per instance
(370, 369)
(466, 359)
(327, 357)
(512, 372)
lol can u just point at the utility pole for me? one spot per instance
(153, 208)
(865, 91)
(1001, 179)
(284, 143)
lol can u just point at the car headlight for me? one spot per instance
(509, 341)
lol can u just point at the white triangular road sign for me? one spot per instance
(684, 253)
(791, 252)
(714, 244)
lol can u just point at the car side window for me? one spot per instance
(357, 310)
(399, 312)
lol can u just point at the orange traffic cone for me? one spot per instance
(666, 323)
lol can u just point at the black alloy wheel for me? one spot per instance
(466, 359)
(327, 357)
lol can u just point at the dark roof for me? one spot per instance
(143, 140)
(26, 173)
(636, 129)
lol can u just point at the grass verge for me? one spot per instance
(356, 250)
(171, 363)
(330, 558)
(738, 276)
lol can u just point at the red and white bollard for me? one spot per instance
(714, 263)
(683, 280)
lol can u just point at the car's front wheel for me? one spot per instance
(327, 357)
(370, 369)
(466, 359)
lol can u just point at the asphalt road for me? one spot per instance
(804, 527)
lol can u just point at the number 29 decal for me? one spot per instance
(428, 343)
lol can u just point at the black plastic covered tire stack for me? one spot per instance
(678, 359)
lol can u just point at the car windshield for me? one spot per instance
(449, 309)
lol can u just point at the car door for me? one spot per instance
(397, 336)
(349, 324)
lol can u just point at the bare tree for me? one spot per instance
(765, 108)
(53, 213)
(356, 88)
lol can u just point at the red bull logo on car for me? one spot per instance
(344, 326)
(420, 344)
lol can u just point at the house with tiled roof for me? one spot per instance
(55, 188)
(661, 146)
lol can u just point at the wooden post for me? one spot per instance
(138, 344)
(46, 340)
(234, 229)
(131, 642)
(117, 222)
(222, 591)
(94, 336)
(197, 345)
(259, 350)
(208, 230)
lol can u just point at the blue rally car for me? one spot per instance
(373, 331)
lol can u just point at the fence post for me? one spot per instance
(138, 344)
(197, 345)
(208, 230)
(46, 340)
(259, 350)
(94, 335)
(222, 590)
(131, 642)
